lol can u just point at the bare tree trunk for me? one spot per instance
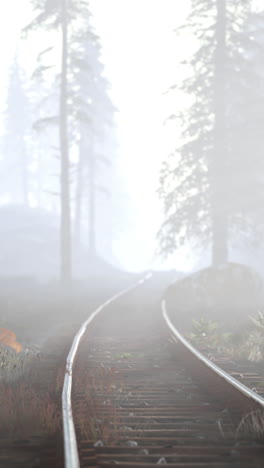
(65, 218)
(219, 158)
(91, 203)
(24, 179)
(79, 193)
(39, 180)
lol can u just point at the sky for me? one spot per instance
(141, 53)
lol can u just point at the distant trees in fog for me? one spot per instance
(16, 145)
(93, 100)
(73, 109)
(212, 186)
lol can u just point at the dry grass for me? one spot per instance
(14, 365)
(98, 414)
(252, 425)
(25, 409)
(26, 413)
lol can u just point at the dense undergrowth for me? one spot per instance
(26, 410)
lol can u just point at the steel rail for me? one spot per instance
(247, 392)
(71, 456)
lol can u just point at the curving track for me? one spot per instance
(142, 397)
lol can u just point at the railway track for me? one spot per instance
(136, 395)
(34, 448)
(143, 397)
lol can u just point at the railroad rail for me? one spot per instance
(142, 395)
(69, 433)
(228, 383)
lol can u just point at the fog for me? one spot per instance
(131, 140)
(136, 149)
(131, 203)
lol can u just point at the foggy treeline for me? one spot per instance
(212, 185)
(58, 148)
(58, 152)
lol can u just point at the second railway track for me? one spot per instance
(137, 402)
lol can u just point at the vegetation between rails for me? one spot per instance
(252, 425)
(98, 413)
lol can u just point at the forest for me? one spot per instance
(131, 200)
(65, 179)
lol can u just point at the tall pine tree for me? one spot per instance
(200, 183)
(96, 108)
(64, 16)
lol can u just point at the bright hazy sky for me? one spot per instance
(141, 53)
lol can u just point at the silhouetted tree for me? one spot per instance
(197, 182)
(246, 116)
(15, 149)
(93, 129)
(64, 16)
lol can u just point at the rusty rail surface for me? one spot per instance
(238, 387)
(71, 456)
